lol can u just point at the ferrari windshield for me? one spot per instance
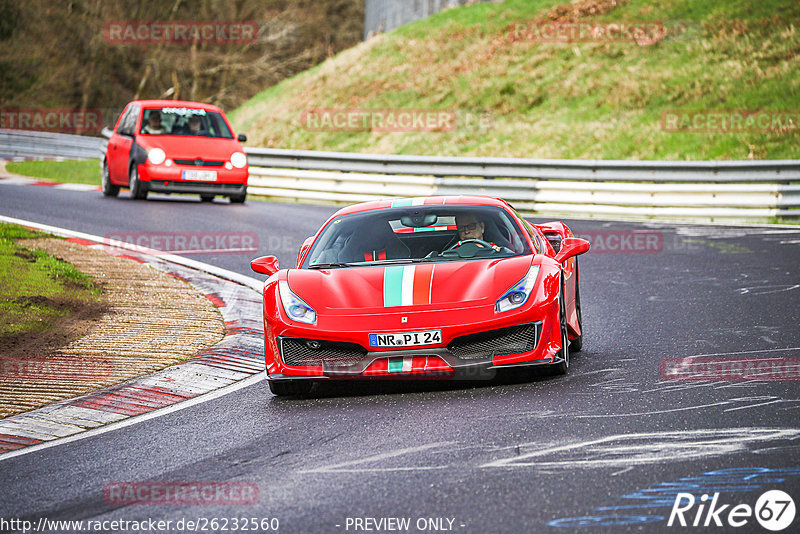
(184, 121)
(417, 234)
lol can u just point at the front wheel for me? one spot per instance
(138, 188)
(286, 388)
(206, 198)
(109, 189)
(239, 198)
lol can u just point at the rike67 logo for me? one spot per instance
(774, 510)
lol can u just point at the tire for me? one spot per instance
(239, 199)
(561, 367)
(109, 189)
(286, 388)
(138, 188)
(207, 198)
(577, 344)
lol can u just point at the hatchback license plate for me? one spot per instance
(201, 176)
(405, 339)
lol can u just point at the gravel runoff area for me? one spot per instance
(153, 320)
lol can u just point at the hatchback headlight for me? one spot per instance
(295, 308)
(518, 294)
(238, 160)
(156, 156)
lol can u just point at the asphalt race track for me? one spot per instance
(604, 449)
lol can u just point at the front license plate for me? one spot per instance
(405, 339)
(200, 176)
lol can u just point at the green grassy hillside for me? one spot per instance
(525, 98)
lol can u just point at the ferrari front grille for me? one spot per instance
(500, 342)
(314, 353)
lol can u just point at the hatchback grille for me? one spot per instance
(501, 342)
(310, 352)
(200, 162)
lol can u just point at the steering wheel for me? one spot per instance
(478, 245)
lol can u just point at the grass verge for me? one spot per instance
(85, 171)
(37, 289)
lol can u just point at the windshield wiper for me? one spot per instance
(329, 265)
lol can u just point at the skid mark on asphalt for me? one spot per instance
(767, 290)
(620, 452)
(350, 467)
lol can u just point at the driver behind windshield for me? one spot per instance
(470, 227)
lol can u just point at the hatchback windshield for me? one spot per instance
(417, 234)
(184, 121)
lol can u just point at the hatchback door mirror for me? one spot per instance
(265, 265)
(242, 138)
(571, 246)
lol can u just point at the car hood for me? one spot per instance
(190, 147)
(425, 285)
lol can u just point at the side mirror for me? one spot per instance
(571, 246)
(242, 138)
(303, 249)
(265, 265)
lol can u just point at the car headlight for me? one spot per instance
(295, 308)
(238, 160)
(156, 156)
(518, 294)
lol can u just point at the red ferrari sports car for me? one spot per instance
(172, 146)
(448, 286)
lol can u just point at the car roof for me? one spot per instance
(449, 200)
(176, 104)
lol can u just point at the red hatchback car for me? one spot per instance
(430, 287)
(172, 146)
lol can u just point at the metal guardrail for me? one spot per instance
(28, 144)
(642, 189)
(542, 169)
(699, 190)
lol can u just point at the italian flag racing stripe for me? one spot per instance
(407, 285)
(401, 365)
